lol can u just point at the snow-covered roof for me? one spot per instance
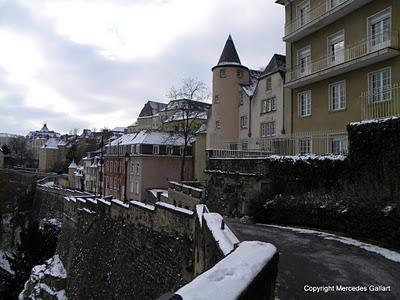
(202, 129)
(73, 165)
(51, 143)
(250, 88)
(8, 135)
(150, 137)
(180, 115)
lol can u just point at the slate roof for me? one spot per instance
(151, 108)
(276, 64)
(229, 54)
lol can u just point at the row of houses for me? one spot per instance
(342, 65)
(161, 146)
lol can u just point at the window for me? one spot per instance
(137, 169)
(337, 96)
(243, 122)
(304, 104)
(216, 99)
(170, 150)
(305, 146)
(218, 124)
(303, 10)
(239, 74)
(132, 168)
(268, 129)
(245, 145)
(379, 85)
(131, 187)
(268, 105)
(336, 48)
(334, 3)
(233, 146)
(137, 188)
(222, 73)
(338, 144)
(156, 149)
(379, 30)
(269, 84)
(304, 61)
(241, 98)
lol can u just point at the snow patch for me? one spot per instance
(225, 237)
(175, 208)
(4, 263)
(232, 275)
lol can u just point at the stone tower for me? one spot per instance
(71, 174)
(228, 75)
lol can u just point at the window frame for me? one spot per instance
(376, 18)
(304, 53)
(309, 141)
(332, 85)
(333, 40)
(156, 149)
(299, 8)
(370, 85)
(268, 84)
(243, 122)
(222, 73)
(299, 106)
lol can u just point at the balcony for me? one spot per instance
(381, 103)
(319, 17)
(363, 53)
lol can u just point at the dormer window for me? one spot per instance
(222, 73)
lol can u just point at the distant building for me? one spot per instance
(37, 139)
(170, 116)
(92, 164)
(54, 152)
(7, 138)
(138, 162)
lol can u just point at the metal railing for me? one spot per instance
(381, 103)
(320, 142)
(313, 14)
(349, 53)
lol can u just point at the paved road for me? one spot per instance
(308, 259)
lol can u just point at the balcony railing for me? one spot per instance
(320, 142)
(312, 15)
(362, 48)
(381, 103)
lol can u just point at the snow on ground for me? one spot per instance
(225, 238)
(48, 184)
(232, 275)
(4, 263)
(388, 254)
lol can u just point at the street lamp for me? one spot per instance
(126, 173)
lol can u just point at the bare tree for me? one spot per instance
(190, 88)
(191, 112)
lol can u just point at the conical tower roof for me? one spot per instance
(229, 54)
(44, 128)
(73, 165)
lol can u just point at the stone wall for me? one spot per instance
(17, 189)
(357, 195)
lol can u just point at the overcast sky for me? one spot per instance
(94, 63)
